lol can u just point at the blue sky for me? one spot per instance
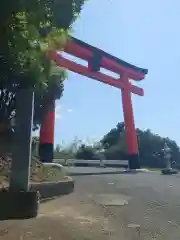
(145, 33)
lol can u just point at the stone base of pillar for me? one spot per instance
(134, 161)
(18, 205)
(169, 171)
(46, 152)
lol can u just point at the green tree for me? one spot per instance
(85, 152)
(113, 143)
(28, 30)
(150, 147)
(58, 148)
(113, 136)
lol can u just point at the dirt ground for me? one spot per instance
(61, 219)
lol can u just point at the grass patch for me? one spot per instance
(39, 172)
(46, 173)
(154, 169)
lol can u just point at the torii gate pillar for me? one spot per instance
(46, 145)
(130, 130)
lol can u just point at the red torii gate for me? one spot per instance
(96, 59)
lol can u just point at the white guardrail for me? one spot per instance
(79, 162)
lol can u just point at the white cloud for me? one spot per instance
(69, 110)
(58, 112)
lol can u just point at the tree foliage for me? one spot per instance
(113, 136)
(150, 148)
(28, 30)
(85, 152)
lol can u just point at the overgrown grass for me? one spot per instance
(39, 172)
(154, 169)
(46, 173)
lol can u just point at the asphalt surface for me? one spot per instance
(151, 202)
(127, 207)
(93, 170)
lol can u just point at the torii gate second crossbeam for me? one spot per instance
(97, 59)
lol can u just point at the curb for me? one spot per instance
(97, 173)
(50, 190)
(93, 173)
(106, 173)
(24, 205)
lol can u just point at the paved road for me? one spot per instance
(148, 200)
(92, 169)
(128, 207)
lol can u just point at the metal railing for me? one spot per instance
(79, 162)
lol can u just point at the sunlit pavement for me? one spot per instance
(112, 207)
(94, 170)
(149, 202)
(128, 207)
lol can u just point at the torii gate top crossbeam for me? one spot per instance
(97, 59)
(85, 51)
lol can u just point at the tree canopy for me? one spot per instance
(28, 30)
(150, 148)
